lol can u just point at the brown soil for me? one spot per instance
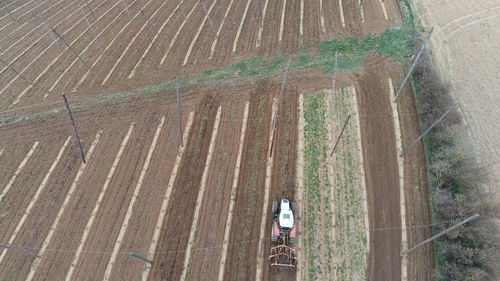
(169, 260)
(283, 175)
(421, 261)
(381, 174)
(244, 238)
(207, 248)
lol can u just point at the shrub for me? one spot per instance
(469, 253)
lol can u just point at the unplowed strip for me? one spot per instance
(382, 179)
(19, 169)
(397, 130)
(420, 263)
(199, 200)
(35, 197)
(166, 198)
(245, 231)
(234, 186)
(41, 252)
(170, 250)
(283, 177)
(98, 203)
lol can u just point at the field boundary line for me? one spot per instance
(299, 179)
(357, 124)
(110, 43)
(139, 62)
(130, 44)
(322, 17)
(37, 41)
(193, 42)
(400, 160)
(35, 197)
(86, 47)
(212, 49)
(261, 26)
(245, 13)
(234, 188)
(382, 4)
(19, 169)
(267, 190)
(341, 9)
(166, 197)
(201, 195)
(177, 34)
(135, 195)
(282, 23)
(48, 238)
(25, 91)
(90, 222)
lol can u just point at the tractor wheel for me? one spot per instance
(275, 207)
(274, 238)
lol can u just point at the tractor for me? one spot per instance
(283, 234)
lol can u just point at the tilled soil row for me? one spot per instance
(381, 174)
(37, 225)
(206, 256)
(283, 183)
(245, 230)
(169, 259)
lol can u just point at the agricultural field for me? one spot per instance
(181, 188)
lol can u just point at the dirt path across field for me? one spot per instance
(381, 174)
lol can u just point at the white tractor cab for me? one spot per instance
(283, 233)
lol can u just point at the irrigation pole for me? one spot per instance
(428, 129)
(85, 16)
(341, 133)
(412, 67)
(15, 71)
(405, 252)
(137, 256)
(206, 13)
(179, 111)
(70, 48)
(42, 18)
(70, 115)
(278, 102)
(151, 27)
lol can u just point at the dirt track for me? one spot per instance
(381, 174)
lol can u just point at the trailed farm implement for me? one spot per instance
(283, 234)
